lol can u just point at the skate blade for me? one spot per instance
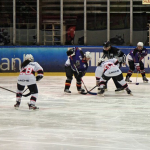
(16, 108)
(67, 93)
(130, 94)
(145, 81)
(34, 109)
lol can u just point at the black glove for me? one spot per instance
(81, 74)
(38, 78)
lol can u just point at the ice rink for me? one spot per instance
(75, 122)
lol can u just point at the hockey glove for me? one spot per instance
(80, 75)
(38, 78)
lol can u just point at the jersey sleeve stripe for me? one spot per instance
(40, 71)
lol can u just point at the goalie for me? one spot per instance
(76, 65)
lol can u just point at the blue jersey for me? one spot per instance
(138, 55)
(78, 61)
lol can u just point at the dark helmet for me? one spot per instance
(70, 51)
(107, 44)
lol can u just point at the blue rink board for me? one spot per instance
(53, 58)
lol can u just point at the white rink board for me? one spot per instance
(75, 122)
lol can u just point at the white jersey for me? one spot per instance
(27, 74)
(68, 62)
(108, 68)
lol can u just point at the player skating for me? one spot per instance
(135, 61)
(27, 78)
(76, 65)
(109, 69)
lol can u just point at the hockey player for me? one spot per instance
(76, 65)
(110, 69)
(113, 52)
(135, 61)
(27, 78)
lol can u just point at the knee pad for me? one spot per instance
(19, 93)
(69, 78)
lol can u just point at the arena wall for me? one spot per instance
(52, 58)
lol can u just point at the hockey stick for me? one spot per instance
(93, 88)
(15, 92)
(82, 80)
(87, 89)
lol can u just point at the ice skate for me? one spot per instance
(81, 91)
(128, 91)
(17, 105)
(67, 91)
(119, 89)
(145, 80)
(105, 87)
(32, 106)
(128, 79)
(101, 91)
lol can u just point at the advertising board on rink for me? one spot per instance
(52, 59)
(145, 1)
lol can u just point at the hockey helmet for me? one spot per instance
(88, 55)
(107, 44)
(70, 51)
(29, 57)
(140, 44)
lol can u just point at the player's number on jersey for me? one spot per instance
(108, 66)
(28, 71)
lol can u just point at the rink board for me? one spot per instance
(52, 58)
(64, 74)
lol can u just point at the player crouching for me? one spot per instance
(135, 61)
(106, 70)
(76, 65)
(27, 78)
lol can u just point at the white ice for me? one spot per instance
(75, 122)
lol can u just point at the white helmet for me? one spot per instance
(29, 57)
(88, 55)
(140, 44)
(101, 60)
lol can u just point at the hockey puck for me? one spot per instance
(137, 83)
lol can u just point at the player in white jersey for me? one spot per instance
(108, 69)
(27, 78)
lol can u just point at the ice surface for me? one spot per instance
(75, 122)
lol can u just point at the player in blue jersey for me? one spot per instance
(135, 61)
(76, 65)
